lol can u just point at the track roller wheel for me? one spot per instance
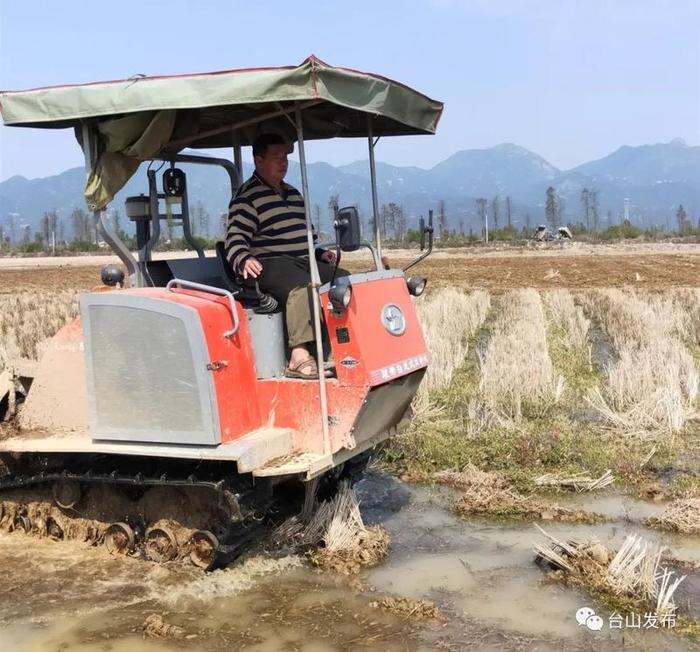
(119, 539)
(53, 529)
(23, 523)
(160, 544)
(203, 548)
(66, 493)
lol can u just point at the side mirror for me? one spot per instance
(347, 229)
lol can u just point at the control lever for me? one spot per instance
(267, 303)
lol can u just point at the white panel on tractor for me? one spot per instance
(147, 377)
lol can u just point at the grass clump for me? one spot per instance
(680, 516)
(490, 494)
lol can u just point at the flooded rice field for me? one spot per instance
(480, 574)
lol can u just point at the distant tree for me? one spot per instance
(317, 217)
(116, 221)
(11, 227)
(595, 209)
(561, 211)
(509, 212)
(333, 210)
(586, 208)
(399, 221)
(45, 229)
(682, 218)
(79, 222)
(481, 204)
(610, 218)
(551, 210)
(442, 219)
(383, 220)
(495, 211)
(200, 220)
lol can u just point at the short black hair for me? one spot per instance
(263, 141)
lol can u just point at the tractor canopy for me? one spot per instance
(140, 118)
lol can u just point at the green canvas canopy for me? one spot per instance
(140, 118)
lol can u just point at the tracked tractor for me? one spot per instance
(160, 420)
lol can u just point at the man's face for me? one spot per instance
(272, 165)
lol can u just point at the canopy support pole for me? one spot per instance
(315, 284)
(373, 180)
(108, 233)
(238, 163)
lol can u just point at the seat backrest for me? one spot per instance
(198, 270)
(226, 270)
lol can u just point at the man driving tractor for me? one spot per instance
(266, 240)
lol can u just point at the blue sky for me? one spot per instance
(571, 80)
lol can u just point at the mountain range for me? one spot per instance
(655, 179)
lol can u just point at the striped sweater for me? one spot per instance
(264, 223)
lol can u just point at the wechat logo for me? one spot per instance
(586, 616)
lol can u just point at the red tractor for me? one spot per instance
(170, 394)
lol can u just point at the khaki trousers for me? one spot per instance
(287, 278)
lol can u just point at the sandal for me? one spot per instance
(305, 370)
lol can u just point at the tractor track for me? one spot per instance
(163, 518)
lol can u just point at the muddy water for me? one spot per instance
(64, 596)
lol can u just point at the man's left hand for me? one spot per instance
(328, 256)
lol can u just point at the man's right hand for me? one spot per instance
(251, 268)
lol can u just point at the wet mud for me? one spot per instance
(478, 575)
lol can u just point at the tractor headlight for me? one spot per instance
(416, 285)
(339, 296)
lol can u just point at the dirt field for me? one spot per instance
(575, 267)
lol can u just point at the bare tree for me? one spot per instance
(586, 208)
(399, 221)
(682, 218)
(200, 217)
(481, 204)
(383, 220)
(509, 212)
(551, 210)
(495, 211)
(442, 219)
(595, 209)
(332, 209)
(79, 221)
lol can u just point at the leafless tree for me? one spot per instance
(495, 211)
(595, 209)
(481, 204)
(442, 220)
(551, 209)
(586, 208)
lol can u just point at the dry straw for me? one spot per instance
(28, 318)
(449, 318)
(567, 316)
(633, 572)
(516, 368)
(653, 385)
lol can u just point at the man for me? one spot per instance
(266, 239)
